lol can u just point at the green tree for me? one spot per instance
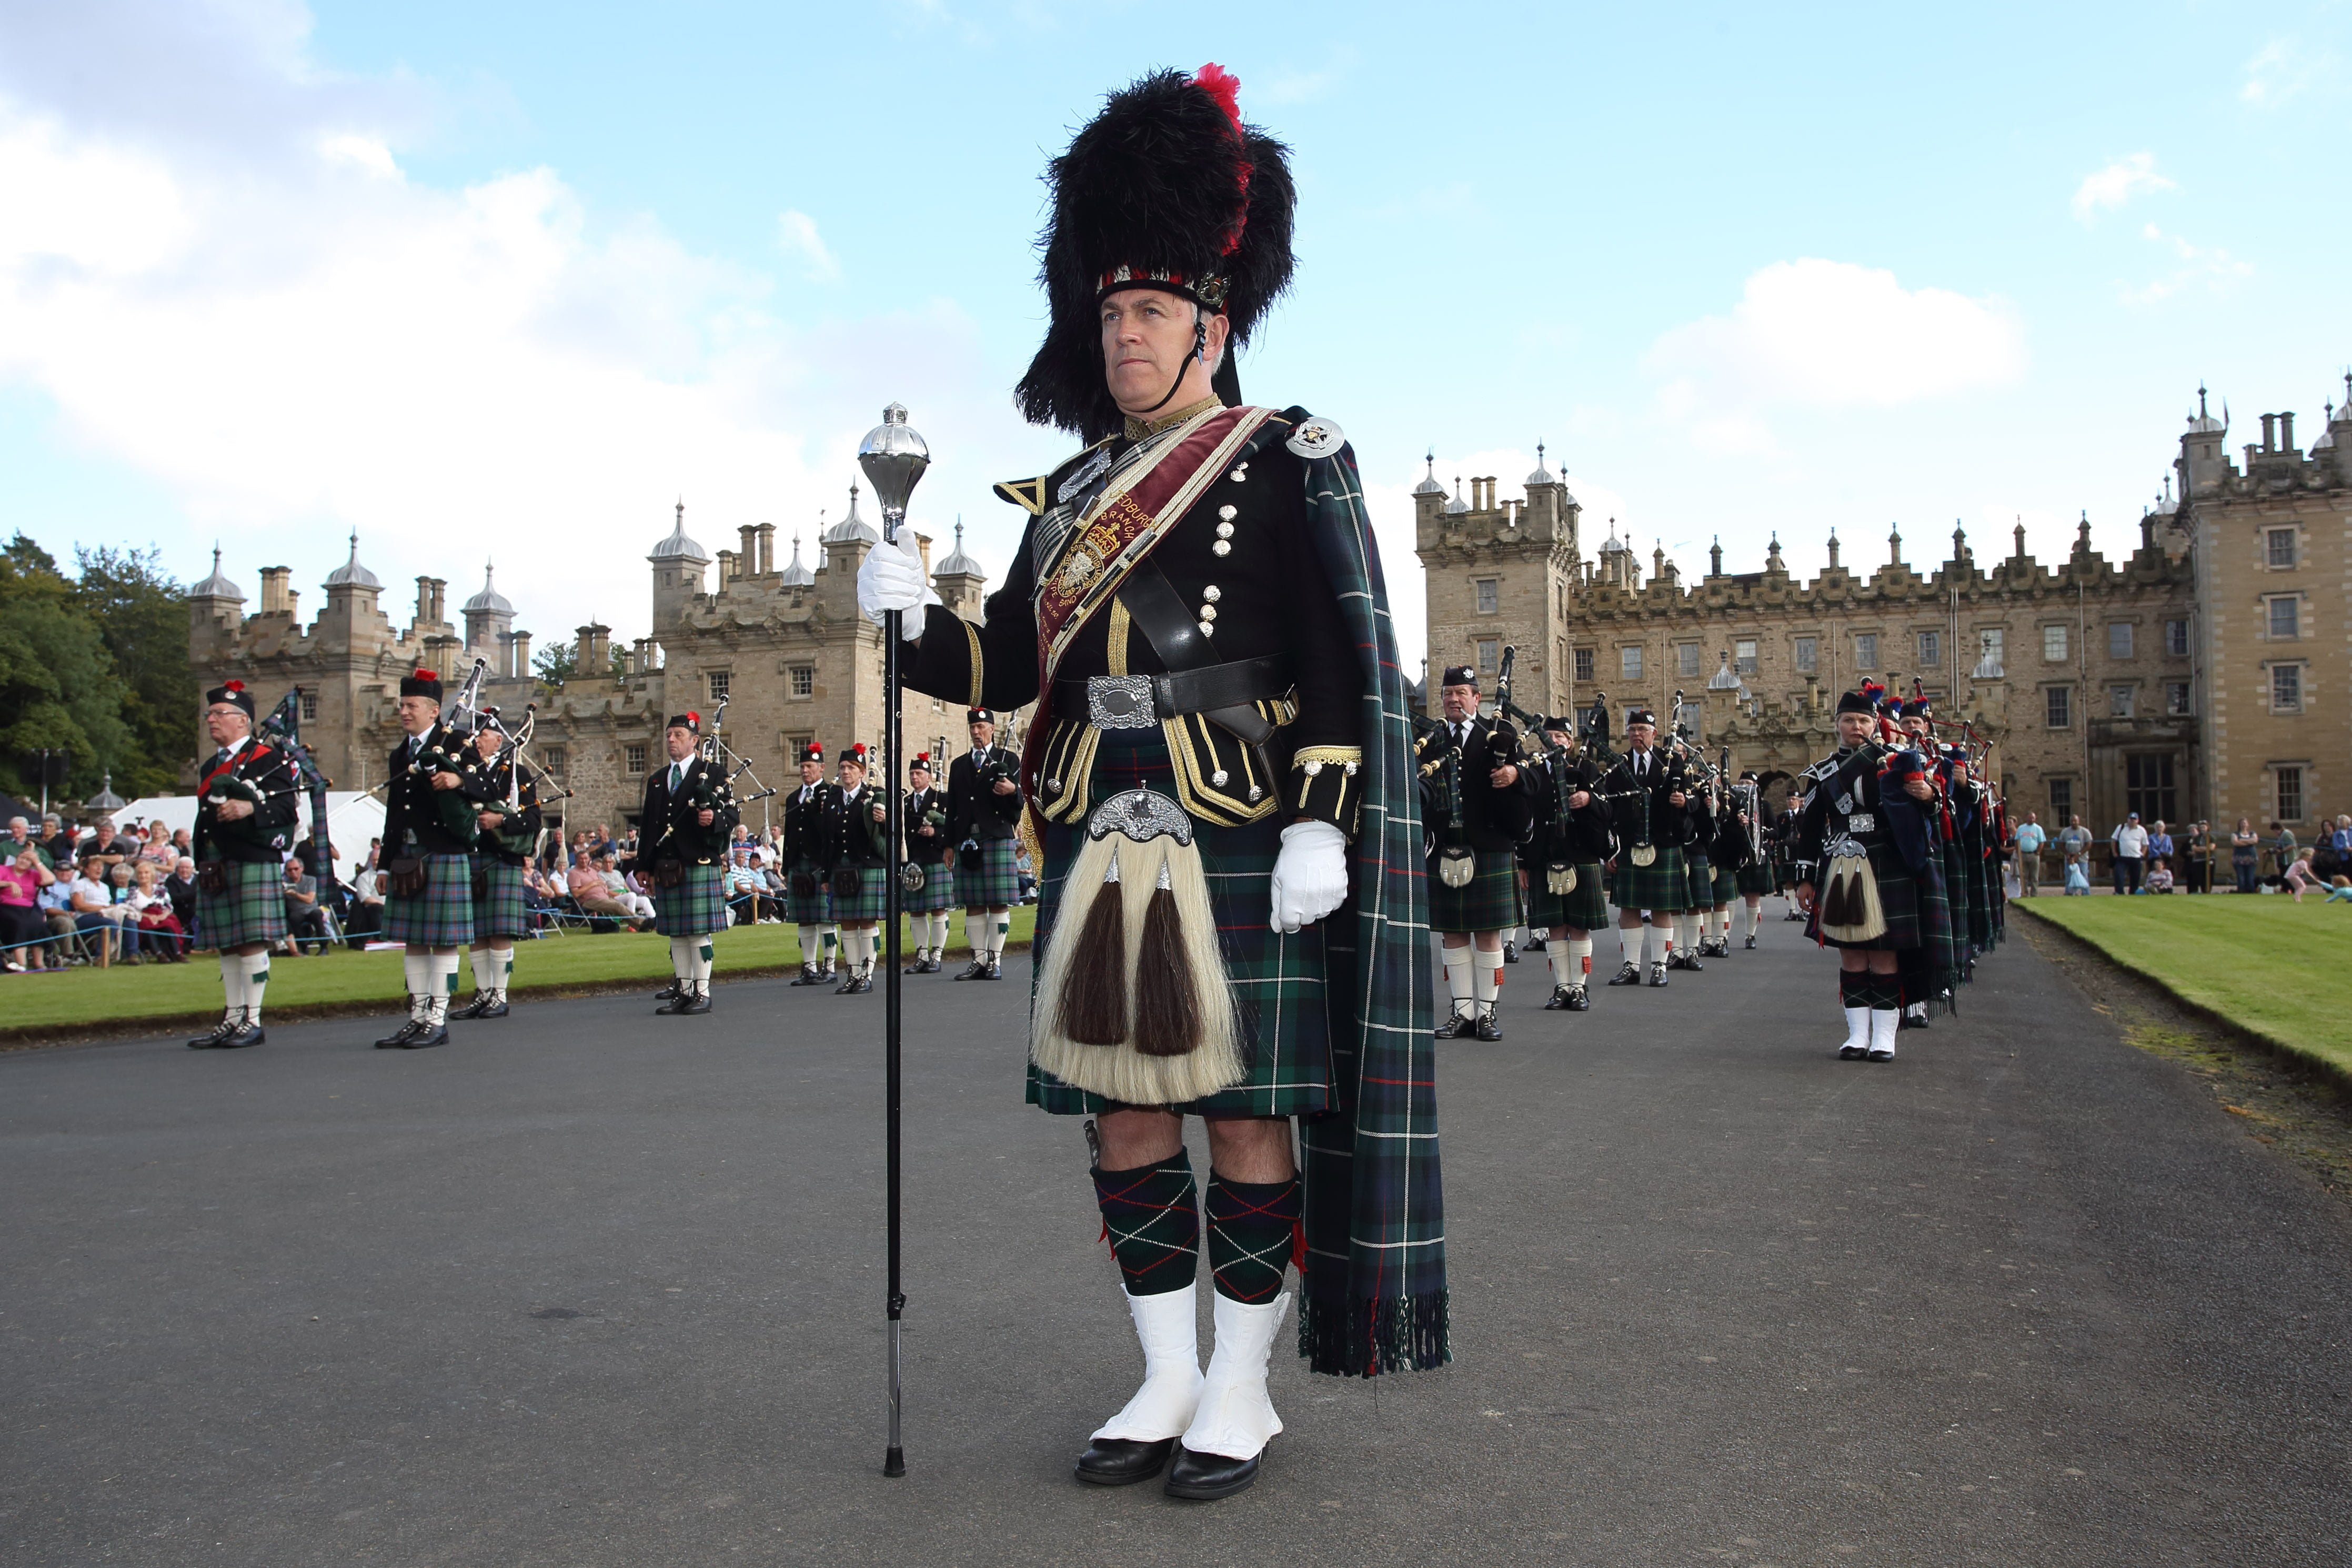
(143, 614)
(59, 686)
(557, 663)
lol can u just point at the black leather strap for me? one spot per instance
(1211, 691)
(1169, 624)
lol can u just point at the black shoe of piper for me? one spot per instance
(495, 1007)
(219, 1032)
(807, 977)
(995, 969)
(1657, 975)
(399, 1037)
(426, 1038)
(976, 970)
(1117, 1462)
(1751, 941)
(1629, 974)
(250, 1035)
(1510, 952)
(696, 1001)
(1204, 1478)
(1579, 1000)
(1489, 1030)
(679, 997)
(669, 992)
(1455, 1027)
(1558, 1000)
(473, 1009)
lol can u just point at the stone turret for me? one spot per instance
(489, 620)
(678, 564)
(961, 581)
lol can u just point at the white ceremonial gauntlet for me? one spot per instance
(893, 580)
(1311, 875)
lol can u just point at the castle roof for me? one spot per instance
(1459, 503)
(959, 564)
(216, 586)
(351, 573)
(489, 601)
(797, 575)
(1542, 476)
(1613, 545)
(1429, 485)
(678, 546)
(851, 529)
(2202, 423)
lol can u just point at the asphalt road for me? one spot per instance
(597, 1287)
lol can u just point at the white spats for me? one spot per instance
(1884, 1022)
(1579, 952)
(1457, 979)
(1857, 1034)
(233, 982)
(809, 955)
(681, 959)
(440, 984)
(489, 970)
(978, 927)
(1236, 1416)
(1169, 1327)
(416, 972)
(257, 981)
(699, 956)
(1485, 975)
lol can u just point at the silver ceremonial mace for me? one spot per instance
(894, 457)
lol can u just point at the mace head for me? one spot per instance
(894, 457)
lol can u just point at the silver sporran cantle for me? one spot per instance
(1456, 868)
(1559, 878)
(1645, 854)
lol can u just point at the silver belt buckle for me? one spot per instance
(1120, 702)
(1861, 822)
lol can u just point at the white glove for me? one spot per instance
(893, 580)
(1311, 875)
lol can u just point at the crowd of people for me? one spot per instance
(2149, 857)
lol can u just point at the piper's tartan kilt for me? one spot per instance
(1662, 887)
(1279, 979)
(1490, 902)
(1755, 877)
(989, 879)
(937, 893)
(250, 909)
(811, 908)
(1899, 895)
(1700, 886)
(696, 907)
(1587, 908)
(498, 911)
(440, 916)
(1726, 885)
(864, 904)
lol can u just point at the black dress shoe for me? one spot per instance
(472, 1009)
(1534, 944)
(1488, 1029)
(1510, 952)
(1455, 1027)
(1117, 1462)
(1751, 941)
(1911, 1021)
(250, 1035)
(1558, 1000)
(697, 1002)
(1657, 975)
(669, 992)
(995, 969)
(399, 1037)
(1579, 1000)
(219, 1032)
(1628, 974)
(1205, 1477)
(1691, 963)
(677, 1004)
(495, 1007)
(427, 1035)
(807, 977)
(976, 970)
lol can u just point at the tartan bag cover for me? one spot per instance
(440, 916)
(250, 909)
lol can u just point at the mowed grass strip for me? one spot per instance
(2268, 966)
(86, 997)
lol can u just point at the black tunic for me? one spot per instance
(1639, 810)
(262, 837)
(925, 850)
(1495, 817)
(808, 809)
(668, 829)
(1564, 834)
(416, 819)
(975, 811)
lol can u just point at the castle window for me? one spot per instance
(633, 760)
(310, 706)
(2119, 701)
(555, 760)
(1991, 645)
(1490, 655)
(2176, 640)
(1490, 597)
(2286, 689)
(719, 679)
(2058, 707)
(2175, 698)
(1584, 660)
(1686, 659)
(1743, 655)
(2148, 787)
(2119, 639)
(1931, 649)
(1809, 655)
(2286, 616)
(803, 679)
(2061, 801)
(2053, 644)
(1629, 663)
(1865, 650)
(2290, 792)
(793, 746)
(2278, 548)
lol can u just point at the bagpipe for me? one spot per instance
(1456, 863)
(1592, 731)
(1559, 764)
(523, 777)
(282, 730)
(1003, 764)
(450, 751)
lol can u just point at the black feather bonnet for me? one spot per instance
(1165, 188)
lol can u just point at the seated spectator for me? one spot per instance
(20, 837)
(110, 848)
(24, 932)
(589, 891)
(743, 883)
(57, 844)
(306, 918)
(2159, 878)
(160, 930)
(92, 902)
(157, 850)
(630, 890)
(181, 842)
(57, 908)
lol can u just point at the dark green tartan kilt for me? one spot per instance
(1277, 979)
(250, 909)
(1662, 887)
(1490, 902)
(861, 904)
(1899, 895)
(937, 893)
(1586, 907)
(440, 916)
(989, 879)
(813, 908)
(1754, 879)
(498, 908)
(696, 907)
(1700, 881)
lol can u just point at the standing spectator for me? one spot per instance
(2281, 849)
(2030, 841)
(160, 930)
(23, 932)
(2244, 848)
(106, 844)
(2160, 848)
(57, 844)
(2332, 849)
(305, 919)
(2199, 854)
(2130, 842)
(2074, 845)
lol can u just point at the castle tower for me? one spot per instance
(489, 620)
(677, 562)
(961, 581)
(1497, 574)
(215, 613)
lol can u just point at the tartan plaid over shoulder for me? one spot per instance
(1373, 1285)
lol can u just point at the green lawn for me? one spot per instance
(30, 1005)
(2278, 968)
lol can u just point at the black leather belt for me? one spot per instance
(1137, 702)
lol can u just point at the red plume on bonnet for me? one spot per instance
(423, 674)
(233, 686)
(693, 716)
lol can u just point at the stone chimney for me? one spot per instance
(593, 656)
(2270, 432)
(767, 549)
(1834, 548)
(2286, 432)
(277, 594)
(747, 556)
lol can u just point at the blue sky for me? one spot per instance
(508, 280)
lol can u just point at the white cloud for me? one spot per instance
(2106, 190)
(2282, 70)
(797, 234)
(1828, 335)
(2210, 268)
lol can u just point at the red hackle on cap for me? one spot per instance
(1225, 86)
(427, 675)
(233, 686)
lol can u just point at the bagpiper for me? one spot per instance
(245, 821)
(861, 869)
(807, 847)
(1477, 804)
(689, 815)
(1691, 924)
(1648, 794)
(1753, 874)
(1567, 895)
(1862, 851)
(930, 888)
(509, 826)
(433, 795)
(983, 814)
(1222, 745)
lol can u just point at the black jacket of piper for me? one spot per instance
(522, 829)
(1564, 834)
(1731, 849)
(808, 808)
(1639, 809)
(1495, 817)
(925, 850)
(416, 820)
(857, 838)
(1842, 801)
(669, 828)
(262, 837)
(1259, 585)
(975, 811)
